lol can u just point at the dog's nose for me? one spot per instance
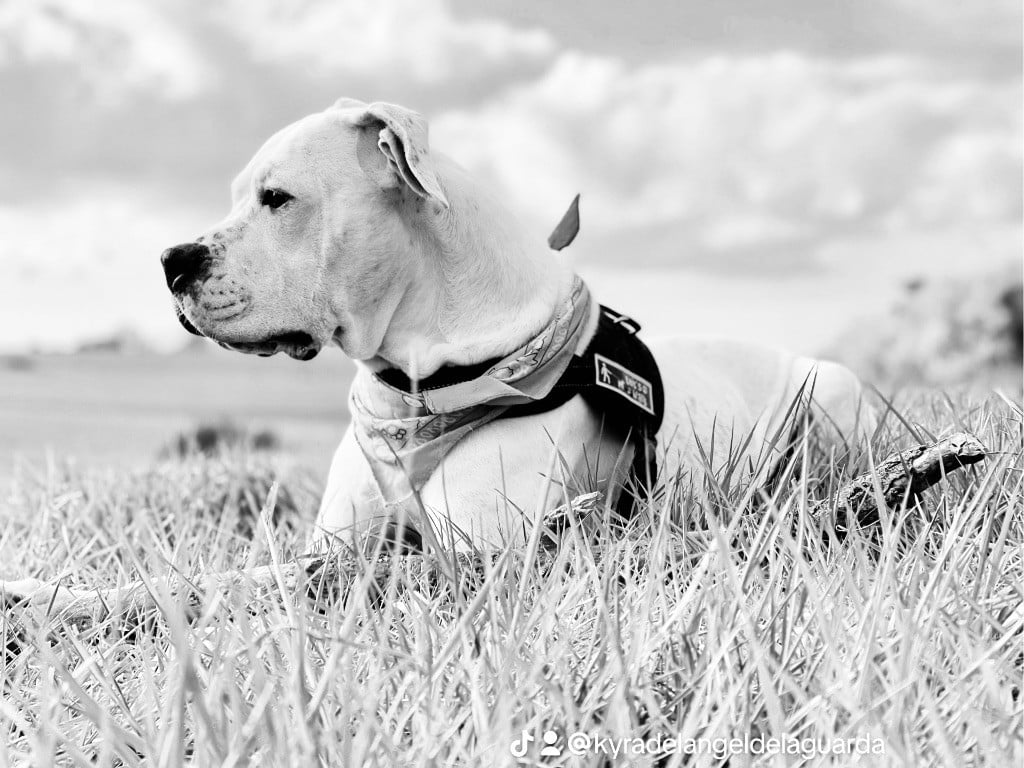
(183, 264)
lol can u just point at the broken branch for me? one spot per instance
(901, 478)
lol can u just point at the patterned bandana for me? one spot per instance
(405, 436)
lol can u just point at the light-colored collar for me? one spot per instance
(406, 435)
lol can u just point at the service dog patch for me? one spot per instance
(621, 380)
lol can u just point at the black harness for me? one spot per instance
(616, 375)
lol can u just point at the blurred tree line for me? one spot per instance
(943, 331)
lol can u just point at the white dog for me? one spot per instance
(347, 229)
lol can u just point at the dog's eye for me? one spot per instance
(274, 198)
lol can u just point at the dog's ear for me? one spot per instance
(401, 136)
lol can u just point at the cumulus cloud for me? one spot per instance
(117, 46)
(747, 150)
(418, 40)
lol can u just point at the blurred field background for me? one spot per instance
(121, 408)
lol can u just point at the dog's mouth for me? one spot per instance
(185, 322)
(297, 344)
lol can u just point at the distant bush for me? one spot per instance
(943, 332)
(213, 439)
(232, 490)
(236, 481)
(125, 341)
(17, 362)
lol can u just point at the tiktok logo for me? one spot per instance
(521, 746)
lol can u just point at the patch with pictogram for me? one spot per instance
(621, 380)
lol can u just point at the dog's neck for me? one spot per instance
(481, 286)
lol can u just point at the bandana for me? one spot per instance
(406, 435)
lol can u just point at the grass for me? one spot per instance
(697, 622)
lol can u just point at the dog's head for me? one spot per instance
(318, 243)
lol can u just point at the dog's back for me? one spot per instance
(719, 392)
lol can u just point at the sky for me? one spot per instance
(760, 169)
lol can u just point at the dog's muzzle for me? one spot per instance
(183, 265)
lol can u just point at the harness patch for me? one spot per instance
(624, 382)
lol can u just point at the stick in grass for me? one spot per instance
(901, 478)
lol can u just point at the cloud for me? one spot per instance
(116, 46)
(983, 36)
(747, 150)
(180, 94)
(417, 40)
(108, 228)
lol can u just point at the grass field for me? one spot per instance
(899, 646)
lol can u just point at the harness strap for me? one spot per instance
(617, 376)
